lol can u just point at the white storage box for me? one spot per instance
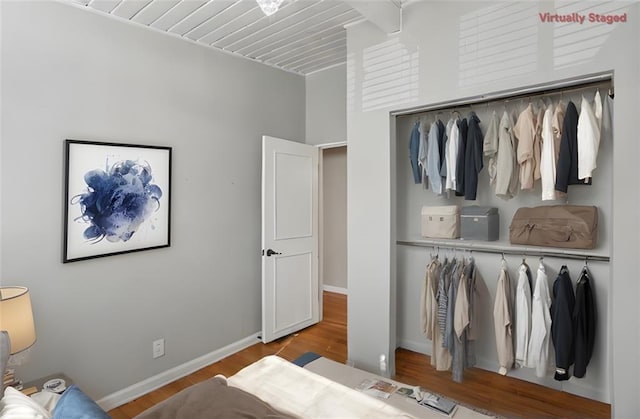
(442, 222)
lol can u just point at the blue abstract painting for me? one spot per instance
(117, 199)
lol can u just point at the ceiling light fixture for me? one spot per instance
(269, 7)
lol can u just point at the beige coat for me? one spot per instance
(503, 322)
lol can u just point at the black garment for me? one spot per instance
(562, 332)
(473, 157)
(567, 165)
(584, 320)
(463, 127)
(442, 138)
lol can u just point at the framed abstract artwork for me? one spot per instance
(117, 199)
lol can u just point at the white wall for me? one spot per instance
(326, 120)
(67, 73)
(437, 59)
(334, 209)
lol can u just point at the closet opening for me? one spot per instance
(411, 252)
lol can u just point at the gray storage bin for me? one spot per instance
(479, 223)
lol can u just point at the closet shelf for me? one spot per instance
(484, 247)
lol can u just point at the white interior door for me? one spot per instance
(290, 288)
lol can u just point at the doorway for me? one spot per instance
(333, 218)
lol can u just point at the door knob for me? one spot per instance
(271, 252)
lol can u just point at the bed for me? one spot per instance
(275, 388)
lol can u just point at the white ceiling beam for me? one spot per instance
(385, 14)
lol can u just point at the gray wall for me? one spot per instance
(67, 73)
(373, 270)
(326, 120)
(334, 208)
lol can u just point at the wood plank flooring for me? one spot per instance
(484, 389)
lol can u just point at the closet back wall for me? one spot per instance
(412, 261)
(68, 73)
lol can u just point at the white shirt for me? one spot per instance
(523, 316)
(422, 151)
(540, 325)
(452, 156)
(588, 136)
(547, 158)
(433, 160)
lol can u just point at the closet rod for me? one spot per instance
(557, 86)
(527, 251)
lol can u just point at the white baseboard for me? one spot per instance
(337, 290)
(420, 347)
(143, 387)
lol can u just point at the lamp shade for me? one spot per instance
(16, 317)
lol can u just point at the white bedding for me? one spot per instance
(325, 389)
(303, 393)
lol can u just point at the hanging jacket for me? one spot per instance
(538, 353)
(584, 320)
(414, 148)
(473, 157)
(525, 131)
(562, 330)
(506, 160)
(567, 167)
(502, 321)
(442, 142)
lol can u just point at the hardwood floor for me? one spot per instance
(483, 389)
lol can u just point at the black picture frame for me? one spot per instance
(117, 199)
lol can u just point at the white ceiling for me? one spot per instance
(304, 36)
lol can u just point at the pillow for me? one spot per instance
(15, 405)
(74, 404)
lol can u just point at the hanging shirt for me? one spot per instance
(525, 132)
(452, 155)
(584, 320)
(557, 123)
(502, 321)
(506, 171)
(589, 136)
(523, 316)
(473, 157)
(547, 158)
(538, 353)
(422, 153)
(562, 330)
(440, 357)
(433, 159)
(475, 285)
(442, 297)
(460, 164)
(490, 147)
(537, 142)
(414, 147)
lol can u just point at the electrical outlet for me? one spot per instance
(158, 348)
